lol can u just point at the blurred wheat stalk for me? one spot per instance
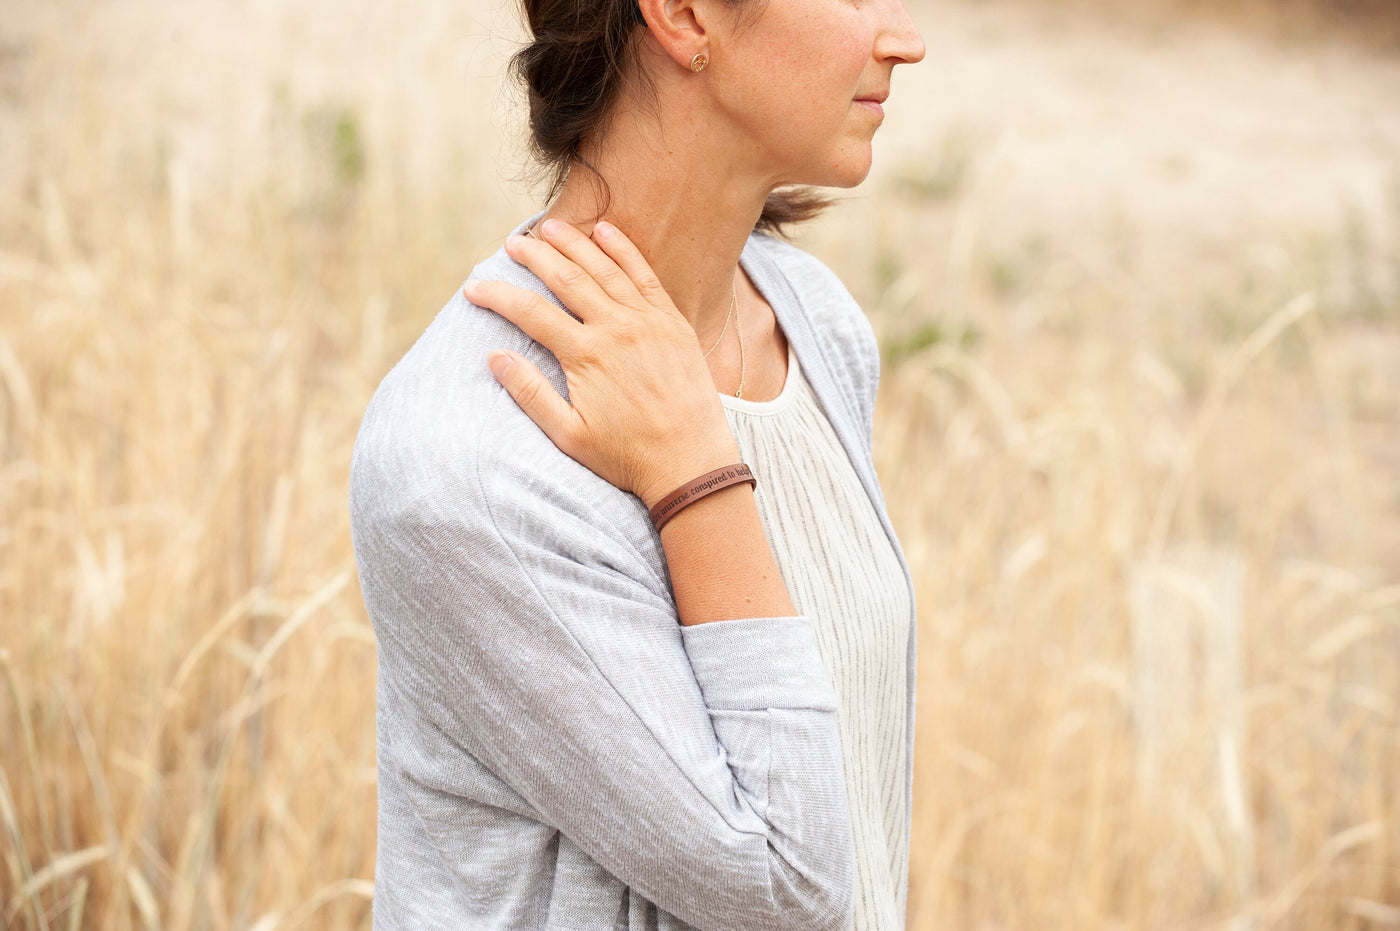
(1159, 558)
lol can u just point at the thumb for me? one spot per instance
(533, 392)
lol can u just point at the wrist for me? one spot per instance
(686, 468)
(699, 488)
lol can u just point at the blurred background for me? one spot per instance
(1135, 268)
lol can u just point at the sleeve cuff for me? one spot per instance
(759, 662)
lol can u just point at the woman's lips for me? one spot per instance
(873, 105)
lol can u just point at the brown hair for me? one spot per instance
(573, 72)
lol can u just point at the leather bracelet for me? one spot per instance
(693, 491)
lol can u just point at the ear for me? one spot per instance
(679, 27)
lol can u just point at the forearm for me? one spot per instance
(720, 561)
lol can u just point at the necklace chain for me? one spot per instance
(725, 328)
(733, 306)
(740, 330)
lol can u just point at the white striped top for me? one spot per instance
(843, 574)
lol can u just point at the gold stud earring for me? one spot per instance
(699, 62)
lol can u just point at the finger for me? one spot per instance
(569, 282)
(535, 395)
(630, 259)
(586, 254)
(540, 318)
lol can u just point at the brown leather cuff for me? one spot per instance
(693, 491)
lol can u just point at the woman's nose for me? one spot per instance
(900, 39)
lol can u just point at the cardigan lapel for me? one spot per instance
(773, 283)
(840, 410)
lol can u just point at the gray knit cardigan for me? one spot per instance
(555, 750)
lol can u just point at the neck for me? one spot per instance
(686, 203)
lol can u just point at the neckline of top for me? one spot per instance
(778, 404)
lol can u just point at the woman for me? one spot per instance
(620, 686)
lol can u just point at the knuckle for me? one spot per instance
(527, 393)
(572, 277)
(610, 277)
(651, 289)
(630, 333)
(590, 347)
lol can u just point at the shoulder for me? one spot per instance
(420, 430)
(444, 457)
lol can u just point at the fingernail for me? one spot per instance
(469, 289)
(498, 362)
(552, 226)
(604, 229)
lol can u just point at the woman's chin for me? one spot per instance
(843, 169)
(848, 167)
(848, 174)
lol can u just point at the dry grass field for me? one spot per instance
(1138, 286)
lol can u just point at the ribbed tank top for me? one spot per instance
(843, 574)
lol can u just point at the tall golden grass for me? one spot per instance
(1155, 523)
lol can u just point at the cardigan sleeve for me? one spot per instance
(699, 765)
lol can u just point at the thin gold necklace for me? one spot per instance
(723, 329)
(733, 308)
(740, 330)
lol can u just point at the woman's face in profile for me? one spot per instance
(793, 78)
